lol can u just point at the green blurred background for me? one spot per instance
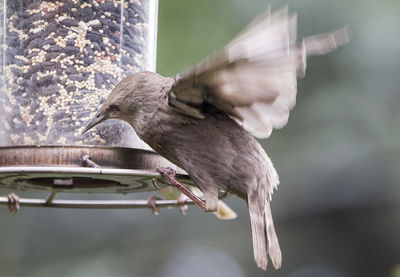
(337, 210)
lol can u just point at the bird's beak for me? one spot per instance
(96, 120)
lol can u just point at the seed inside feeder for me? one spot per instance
(60, 60)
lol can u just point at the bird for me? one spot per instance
(205, 119)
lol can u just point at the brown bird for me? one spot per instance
(203, 119)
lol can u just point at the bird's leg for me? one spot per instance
(151, 202)
(13, 203)
(169, 176)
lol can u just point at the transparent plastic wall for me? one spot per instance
(59, 61)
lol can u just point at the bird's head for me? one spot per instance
(129, 98)
(114, 106)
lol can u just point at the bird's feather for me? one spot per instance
(254, 77)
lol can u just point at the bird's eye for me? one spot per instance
(113, 108)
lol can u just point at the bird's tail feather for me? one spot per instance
(265, 240)
(274, 249)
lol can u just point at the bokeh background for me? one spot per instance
(337, 210)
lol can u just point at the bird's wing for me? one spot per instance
(254, 77)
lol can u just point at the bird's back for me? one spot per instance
(216, 148)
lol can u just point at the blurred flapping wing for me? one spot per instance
(254, 77)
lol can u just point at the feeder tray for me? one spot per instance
(56, 169)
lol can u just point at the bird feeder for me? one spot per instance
(59, 60)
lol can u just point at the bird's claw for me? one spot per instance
(169, 176)
(168, 173)
(13, 203)
(155, 184)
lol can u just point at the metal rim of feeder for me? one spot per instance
(50, 202)
(61, 169)
(70, 176)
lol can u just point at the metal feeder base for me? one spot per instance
(57, 169)
(60, 169)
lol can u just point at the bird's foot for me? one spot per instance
(169, 176)
(155, 184)
(151, 202)
(88, 162)
(13, 203)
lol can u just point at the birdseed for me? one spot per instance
(60, 60)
